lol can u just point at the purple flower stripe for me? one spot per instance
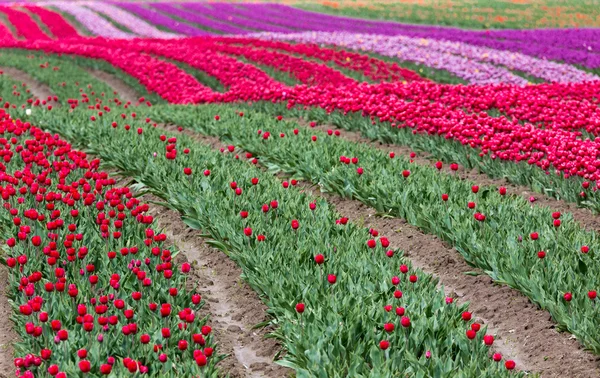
(156, 18)
(548, 46)
(549, 71)
(221, 13)
(576, 39)
(137, 25)
(216, 25)
(468, 69)
(90, 20)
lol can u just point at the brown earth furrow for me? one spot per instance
(124, 91)
(7, 333)
(232, 306)
(36, 88)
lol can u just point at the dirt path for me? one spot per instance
(584, 216)
(124, 91)
(36, 88)
(233, 307)
(7, 332)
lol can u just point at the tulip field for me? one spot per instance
(299, 189)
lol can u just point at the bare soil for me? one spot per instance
(123, 91)
(36, 88)
(7, 332)
(233, 307)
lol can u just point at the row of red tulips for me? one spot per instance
(96, 288)
(23, 23)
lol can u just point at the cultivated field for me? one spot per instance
(229, 189)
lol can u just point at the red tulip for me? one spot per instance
(405, 321)
(85, 366)
(105, 369)
(300, 308)
(471, 334)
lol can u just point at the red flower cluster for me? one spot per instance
(74, 232)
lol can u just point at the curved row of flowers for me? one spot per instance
(463, 67)
(138, 25)
(459, 58)
(95, 288)
(90, 19)
(55, 22)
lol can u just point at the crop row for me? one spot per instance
(476, 64)
(94, 286)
